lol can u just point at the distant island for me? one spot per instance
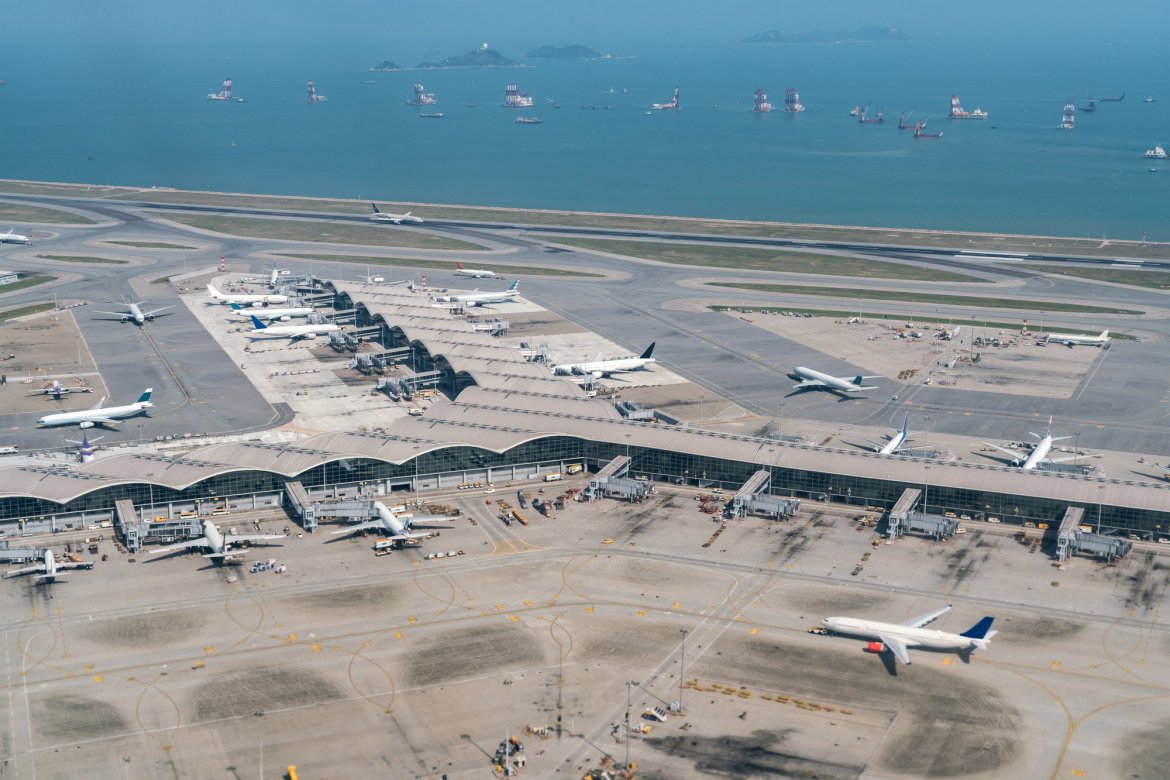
(477, 58)
(573, 52)
(386, 65)
(864, 35)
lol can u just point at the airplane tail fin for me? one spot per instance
(981, 631)
(145, 395)
(458, 266)
(1104, 334)
(214, 293)
(235, 306)
(514, 286)
(99, 404)
(374, 206)
(905, 424)
(257, 323)
(649, 351)
(857, 380)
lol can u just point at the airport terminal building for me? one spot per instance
(511, 420)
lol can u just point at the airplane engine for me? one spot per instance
(285, 318)
(257, 303)
(125, 319)
(85, 424)
(150, 318)
(875, 647)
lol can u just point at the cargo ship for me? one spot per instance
(1157, 153)
(422, 97)
(957, 111)
(1089, 108)
(760, 104)
(876, 119)
(529, 120)
(1068, 117)
(792, 104)
(514, 98)
(313, 96)
(920, 131)
(225, 93)
(673, 105)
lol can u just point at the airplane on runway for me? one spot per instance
(13, 238)
(293, 332)
(137, 315)
(96, 415)
(1072, 340)
(397, 219)
(219, 544)
(474, 273)
(602, 368)
(398, 528)
(270, 314)
(477, 298)
(58, 391)
(898, 638)
(815, 380)
(251, 299)
(1039, 453)
(894, 443)
(47, 569)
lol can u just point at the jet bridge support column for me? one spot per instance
(302, 505)
(901, 512)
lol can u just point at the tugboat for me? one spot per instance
(1089, 108)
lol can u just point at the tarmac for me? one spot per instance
(350, 664)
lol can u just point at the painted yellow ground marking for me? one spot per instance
(1054, 665)
(514, 618)
(89, 667)
(68, 675)
(755, 631)
(397, 634)
(527, 602)
(316, 648)
(641, 613)
(97, 678)
(291, 638)
(208, 650)
(499, 607)
(676, 605)
(588, 609)
(483, 613)
(946, 662)
(412, 620)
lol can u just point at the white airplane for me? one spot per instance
(135, 314)
(294, 332)
(96, 415)
(898, 638)
(397, 219)
(1039, 453)
(815, 380)
(13, 238)
(47, 569)
(600, 368)
(480, 298)
(1072, 340)
(398, 528)
(219, 543)
(251, 299)
(59, 391)
(271, 314)
(894, 444)
(474, 273)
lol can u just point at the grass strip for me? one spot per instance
(443, 265)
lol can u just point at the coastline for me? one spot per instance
(1009, 243)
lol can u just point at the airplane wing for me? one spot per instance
(232, 539)
(349, 529)
(104, 421)
(197, 542)
(25, 570)
(72, 565)
(155, 311)
(1005, 450)
(114, 313)
(929, 617)
(1072, 457)
(811, 383)
(874, 444)
(898, 647)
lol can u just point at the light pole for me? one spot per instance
(507, 736)
(1076, 446)
(416, 475)
(1099, 489)
(629, 686)
(781, 421)
(700, 410)
(682, 665)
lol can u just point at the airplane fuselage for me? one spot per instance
(875, 629)
(891, 447)
(13, 238)
(87, 418)
(604, 366)
(276, 314)
(293, 331)
(812, 379)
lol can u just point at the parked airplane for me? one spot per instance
(47, 569)
(397, 528)
(1039, 453)
(96, 415)
(894, 445)
(270, 314)
(600, 368)
(251, 299)
(135, 314)
(13, 238)
(59, 391)
(397, 219)
(294, 332)
(477, 298)
(219, 543)
(474, 273)
(815, 380)
(1072, 340)
(86, 448)
(898, 638)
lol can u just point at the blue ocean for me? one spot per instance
(134, 112)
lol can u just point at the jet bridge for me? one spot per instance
(302, 505)
(126, 523)
(134, 531)
(609, 479)
(1072, 539)
(18, 554)
(754, 497)
(904, 518)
